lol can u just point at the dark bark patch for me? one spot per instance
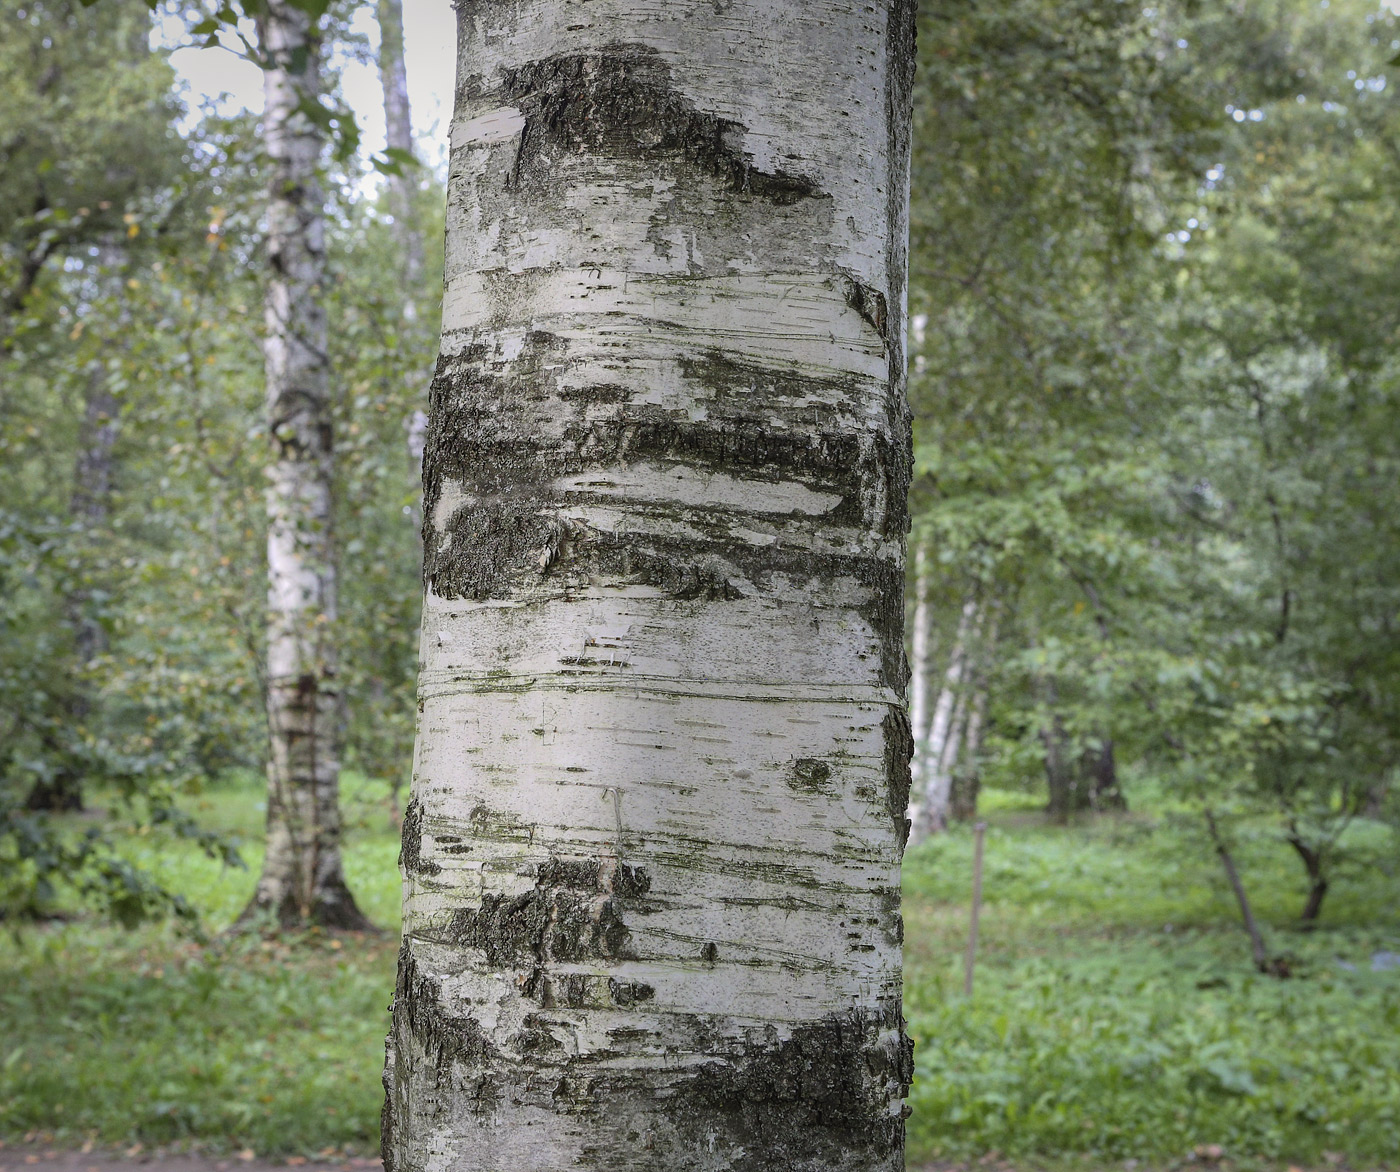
(730, 444)
(489, 545)
(810, 774)
(572, 873)
(629, 993)
(870, 303)
(536, 1038)
(814, 1099)
(631, 882)
(899, 751)
(411, 847)
(622, 102)
(418, 1009)
(570, 916)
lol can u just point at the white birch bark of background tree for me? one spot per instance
(302, 879)
(651, 860)
(933, 809)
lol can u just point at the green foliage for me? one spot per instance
(145, 1036)
(1156, 393)
(88, 149)
(1111, 991)
(133, 609)
(1114, 1014)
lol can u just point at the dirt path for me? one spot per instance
(21, 1157)
(36, 1158)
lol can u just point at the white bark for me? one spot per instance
(651, 861)
(933, 815)
(962, 767)
(301, 878)
(952, 745)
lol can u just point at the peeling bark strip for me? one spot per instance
(301, 879)
(651, 865)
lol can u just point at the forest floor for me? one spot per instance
(32, 1157)
(1116, 1022)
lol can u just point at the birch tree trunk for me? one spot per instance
(966, 780)
(934, 808)
(399, 134)
(302, 880)
(651, 859)
(952, 745)
(919, 678)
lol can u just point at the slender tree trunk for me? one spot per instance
(1069, 787)
(399, 125)
(1314, 863)
(952, 747)
(1100, 769)
(651, 860)
(933, 814)
(1257, 946)
(302, 880)
(920, 668)
(962, 805)
(1060, 780)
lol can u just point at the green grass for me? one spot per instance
(146, 1037)
(1115, 1014)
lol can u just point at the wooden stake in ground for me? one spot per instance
(980, 833)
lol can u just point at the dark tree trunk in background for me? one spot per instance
(1099, 767)
(1314, 862)
(1079, 782)
(1257, 947)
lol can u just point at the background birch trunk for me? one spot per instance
(399, 137)
(933, 812)
(964, 772)
(302, 880)
(651, 860)
(966, 779)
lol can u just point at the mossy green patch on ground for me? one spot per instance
(1115, 1015)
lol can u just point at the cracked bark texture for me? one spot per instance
(302, 880)
(651, 860)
